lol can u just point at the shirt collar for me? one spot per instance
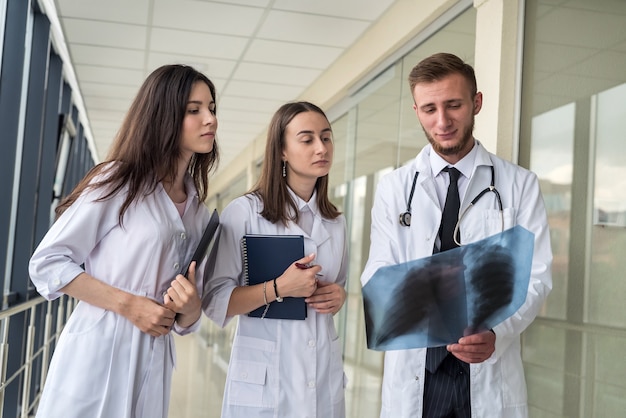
(302, 205)
(465, 165)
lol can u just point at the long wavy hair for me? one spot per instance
(147, 148)
(271, 188)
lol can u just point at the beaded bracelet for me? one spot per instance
(267, 305)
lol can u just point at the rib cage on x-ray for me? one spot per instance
(436, 300)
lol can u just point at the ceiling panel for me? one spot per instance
(292, 54)
(277, 74)
(354, 9)
(92, 32)
(96, 103)
(196, 43)
(259, 53)
(213, 67)
(107, 56)
(219, 18)
(252, 118)
(121, 76)
(123, 11)
(248, 104)
(260, 90)
(107, 90)
(311, 29)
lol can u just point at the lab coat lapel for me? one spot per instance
(481, 177)
(425, 179)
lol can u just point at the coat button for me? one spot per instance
(176, 266)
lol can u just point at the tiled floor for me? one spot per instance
(200, 374)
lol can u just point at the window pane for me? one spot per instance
(606, 285)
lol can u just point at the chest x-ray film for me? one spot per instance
(436, 300)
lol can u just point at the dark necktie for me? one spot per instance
(435, 355)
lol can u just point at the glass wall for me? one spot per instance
(571, 134)
(379, 133)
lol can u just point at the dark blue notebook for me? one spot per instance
(265, 257)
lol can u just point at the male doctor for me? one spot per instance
(482, 374)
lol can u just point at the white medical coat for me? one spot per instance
(497, 385)
(104, 366)
(279, 367)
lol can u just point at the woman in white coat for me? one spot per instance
(446, 100)
(133, 222)
(283, 367)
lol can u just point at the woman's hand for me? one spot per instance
(182, 297)
(300, 278)
(149, 316)
(328, 298)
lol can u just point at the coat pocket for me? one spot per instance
(248, 381)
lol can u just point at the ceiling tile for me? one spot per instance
(353, 9)
(248, 104)
(234, 115)
(311, 29)
(259, 53)
(230, 129)
(200, 17)
(109, 75)
(101, 125)
(291, 76)
(214, 68)
(196, 44)
(290, 53)
(256, 3)
(107, 56)
(111, 115)
(96, 103)
(107, 90)
(123, 11)
(89, 32)
(262, 90)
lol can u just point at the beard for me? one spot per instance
(466, 138)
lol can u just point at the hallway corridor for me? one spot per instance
(201, 364)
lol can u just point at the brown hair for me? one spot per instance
(440, 65)
(147, 146)
(272, 186)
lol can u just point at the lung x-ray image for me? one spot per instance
(436, 300)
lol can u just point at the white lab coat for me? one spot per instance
(279, 367)
(497, 385)
(104, 366)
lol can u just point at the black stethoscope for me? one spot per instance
(405, 217)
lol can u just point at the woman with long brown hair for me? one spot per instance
(285, 367)
(119, 244)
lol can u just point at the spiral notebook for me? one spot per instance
(266, 257)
